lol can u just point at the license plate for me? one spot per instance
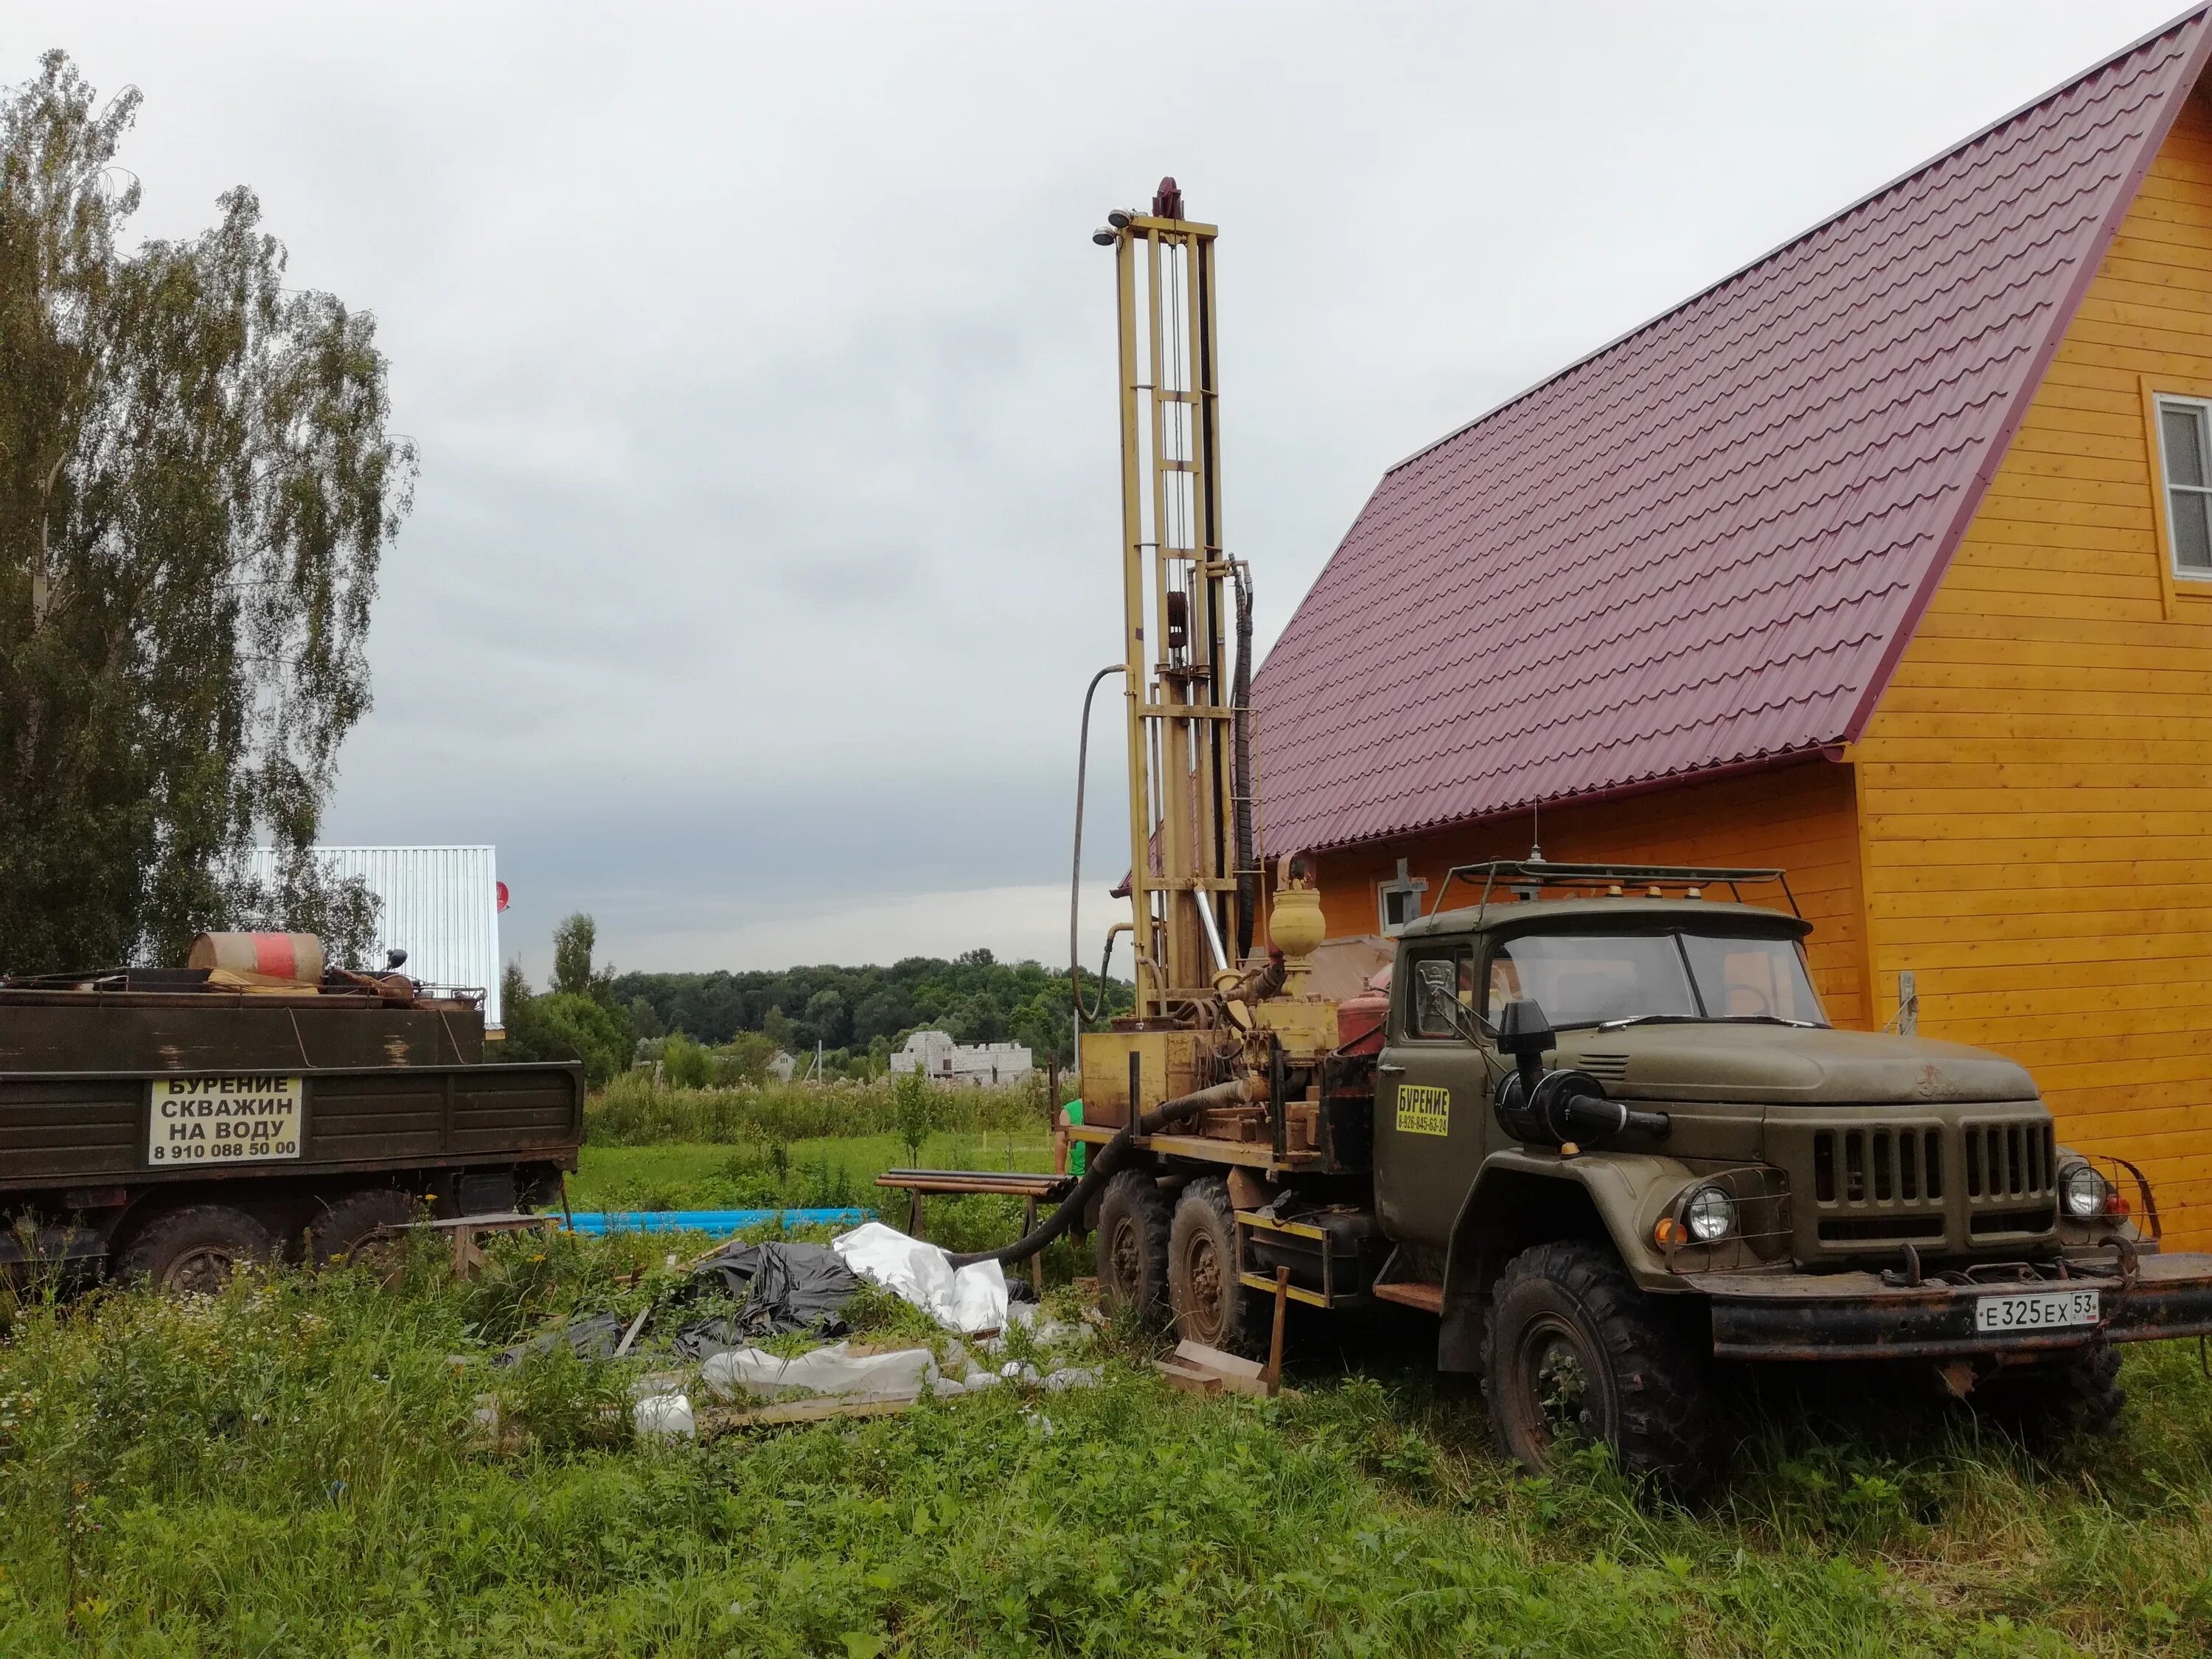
(2037, 1310)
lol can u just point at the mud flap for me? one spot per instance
(1459, 1335)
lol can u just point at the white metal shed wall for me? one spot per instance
(440, 906)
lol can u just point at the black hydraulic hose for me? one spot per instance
(1247, 877)
(1075, 874)
(1097, 1009)
(1104, 1161)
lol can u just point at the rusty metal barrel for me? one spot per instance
(292, 958)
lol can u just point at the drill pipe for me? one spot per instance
(1108, 1158)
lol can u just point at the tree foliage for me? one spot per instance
(197, 486)
(974, 997)
(580, 1018)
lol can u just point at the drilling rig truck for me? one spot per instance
(1593, 1122)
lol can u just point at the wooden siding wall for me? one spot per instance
(2037, 782)
(1799, 818)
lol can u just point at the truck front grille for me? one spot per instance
(1931, 1184)
(2009, 1160)
(1878, 1166)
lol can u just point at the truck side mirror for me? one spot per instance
(1437, 992)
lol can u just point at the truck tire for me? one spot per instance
(194, 1250)
(1133, 1222)
(348, 1231)
(2080, 1394)
(1209, 1305)
(1574, 1351)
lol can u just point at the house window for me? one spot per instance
(1401, 899)
(2185, 433)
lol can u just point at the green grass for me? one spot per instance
(688, 1176)
(289, 1470)
(831, 1172)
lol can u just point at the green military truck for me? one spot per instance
(1603, 1133)
(169, 1124)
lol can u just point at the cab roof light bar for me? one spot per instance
(1539, 873)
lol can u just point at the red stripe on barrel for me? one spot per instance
(273, 955)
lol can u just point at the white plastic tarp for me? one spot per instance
(835, 1372)
(973, 1298)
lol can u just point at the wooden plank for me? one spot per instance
(714, 1419)
(1188, 1379)
(1204, 1357)
(1429, 1299)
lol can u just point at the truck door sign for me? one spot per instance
(1423, 1110)
(246, 1118)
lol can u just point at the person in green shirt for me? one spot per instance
(1077, 1151)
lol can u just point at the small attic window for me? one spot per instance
(2185, 433)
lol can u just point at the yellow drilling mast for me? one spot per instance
(1205, 1008)
(1183, 888)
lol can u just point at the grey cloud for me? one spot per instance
(762, 368)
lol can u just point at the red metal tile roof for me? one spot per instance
(1705, 545)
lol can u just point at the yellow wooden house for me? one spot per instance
(1886, 560)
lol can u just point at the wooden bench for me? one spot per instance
(1032, 1188)
(465, 1231)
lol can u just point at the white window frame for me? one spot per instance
(1404, 885)
(2201, 409)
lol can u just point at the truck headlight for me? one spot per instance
(1710, 1215)
(2084, 1192)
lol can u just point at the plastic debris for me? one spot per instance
(835, 1372)
(593, 1336)
(971, 1300)
(668, 1414)
(788, 1290)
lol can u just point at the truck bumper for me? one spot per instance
(1858, 1315)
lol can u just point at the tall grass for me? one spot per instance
(631, 1112)
(293, 1468)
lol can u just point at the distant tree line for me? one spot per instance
(721, 1027)
(866, 1012)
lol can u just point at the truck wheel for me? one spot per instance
(1210, 1306)
(2079, 1394)
(1133, 1221)
(349, 1231)
(196, 1249)
(1574, 1351)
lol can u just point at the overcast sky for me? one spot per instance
(762, 368)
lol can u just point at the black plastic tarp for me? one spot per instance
(593, 1336)
(787, 1290)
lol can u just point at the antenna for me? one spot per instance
(1536, 833)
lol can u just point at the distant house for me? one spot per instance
(781, 1067)
(1887, 559)
(939, 1057)
(440, 904)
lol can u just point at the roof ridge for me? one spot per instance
(1808, 233)
(1705, 546)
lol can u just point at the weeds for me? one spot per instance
(293, 1469)
(631, 1112)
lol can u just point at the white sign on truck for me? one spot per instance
(245, 1119)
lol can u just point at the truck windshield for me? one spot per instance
(1595, 979)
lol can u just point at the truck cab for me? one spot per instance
(1617, 1138)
